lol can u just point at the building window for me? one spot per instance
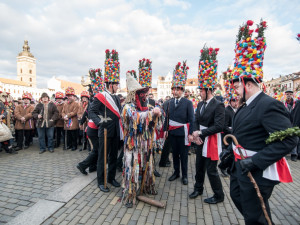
(30, 71)
(30, 84)
(21, 78)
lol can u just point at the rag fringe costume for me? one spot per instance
(139, 144)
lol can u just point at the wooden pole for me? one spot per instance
(105, 154)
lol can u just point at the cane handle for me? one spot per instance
(232, 137)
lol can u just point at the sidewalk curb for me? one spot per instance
(44, 208)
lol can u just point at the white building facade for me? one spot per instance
(164, 86)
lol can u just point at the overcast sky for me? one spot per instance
(68, 37)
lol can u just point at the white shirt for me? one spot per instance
(178, 101)
(207, 102)
(234, 110)
(248, 102)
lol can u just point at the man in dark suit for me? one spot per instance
(209, 123)
(229, 113)
(290, 105)
(252, 125)
(179, 127)
(296, 123)
(106, 104)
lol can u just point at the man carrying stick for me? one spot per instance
(105, 113)
(253, 123)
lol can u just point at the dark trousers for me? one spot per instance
(60, 133)
(112, 153)
(180, 154)
(80, 136)
(91, 160)
(165, 153)
(121, 155)
(245, 199)
(72, 136)
(203, 165)
(20, 137)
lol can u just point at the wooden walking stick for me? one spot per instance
(105, 153)
(144, 198)
(249, 174)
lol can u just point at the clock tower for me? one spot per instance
(26, 66)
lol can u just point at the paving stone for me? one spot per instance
(90, 206)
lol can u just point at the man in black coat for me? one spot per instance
(229, 113)
(209, 123)
(106, 104)
(296, 123)
(252, 125)
(290, 105)
(179, 127)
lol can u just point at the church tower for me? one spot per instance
(26, 66)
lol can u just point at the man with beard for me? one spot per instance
(46, 115)
(24, 122)
(69, 114)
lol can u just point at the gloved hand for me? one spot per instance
(247, 165)
(226, 158)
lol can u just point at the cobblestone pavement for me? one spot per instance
(28, 177)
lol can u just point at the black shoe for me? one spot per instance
(166, 165)
(18, 148)
(80, 149)
(74, 149)
(69, 147)
(114, 183)
(173, 177)
(195, 194)
(102, 188)
(157, 174)
(213, 200)
(184, 181)
(81, 169)
(42, 151)
(26, 146)
(92, 169)
(294, 158)
(11, 151)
